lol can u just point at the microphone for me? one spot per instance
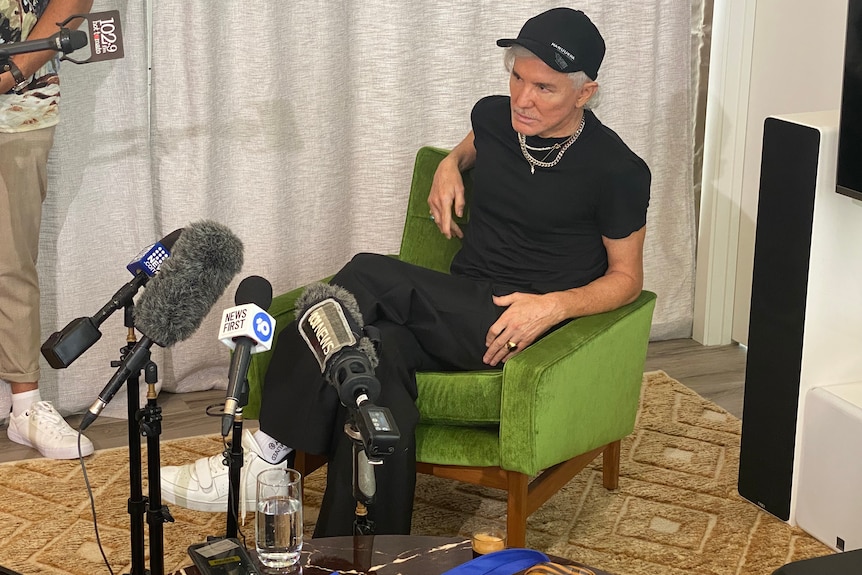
(245, 328)
(63, 41)
(331, 324)
(205, 259)
(65, 346)
(346, 358)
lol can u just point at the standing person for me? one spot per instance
(556, 231)
(29, 109)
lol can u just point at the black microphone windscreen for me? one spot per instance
(206, 257)
(317, 292)
(256, 290)
(77, 39)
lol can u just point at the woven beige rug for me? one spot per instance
(676, 512)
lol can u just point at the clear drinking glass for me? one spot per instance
(488, 540)
(278, 529)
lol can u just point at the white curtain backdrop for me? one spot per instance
(296, 124)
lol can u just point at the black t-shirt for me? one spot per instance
(542, 232)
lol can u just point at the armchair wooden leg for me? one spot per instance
(611, 465)
(517, 510)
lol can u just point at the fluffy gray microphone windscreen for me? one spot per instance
(205, 259)
(317, 292)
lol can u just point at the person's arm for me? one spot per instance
(57, 11)
(528, 316)
(447, 189)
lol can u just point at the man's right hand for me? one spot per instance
(447, 191)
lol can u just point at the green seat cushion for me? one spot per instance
(466, 398)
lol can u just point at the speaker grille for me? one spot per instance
(782, 251)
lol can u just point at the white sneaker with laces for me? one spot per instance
(203, 484)
(44, 429)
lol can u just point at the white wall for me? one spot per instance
(778, 57)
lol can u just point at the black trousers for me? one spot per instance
(428, 321)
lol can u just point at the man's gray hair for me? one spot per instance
(578, 78)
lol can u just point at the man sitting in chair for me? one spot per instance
(556, 231)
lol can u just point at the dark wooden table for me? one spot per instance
(848, 563)
(386, 555)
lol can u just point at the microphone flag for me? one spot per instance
(250, 321)
(149, 260)
(326, 331)
(105, 35)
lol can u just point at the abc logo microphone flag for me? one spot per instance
(250, 321)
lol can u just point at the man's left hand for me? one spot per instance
(526, 318)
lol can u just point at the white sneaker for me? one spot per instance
(203, 484)
(44, 429)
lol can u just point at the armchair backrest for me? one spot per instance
(422, 243)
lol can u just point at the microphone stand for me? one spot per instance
(373, 434)
(137, 502)
(364, 480)
(150, 422)
(234, 461)
(144, 422)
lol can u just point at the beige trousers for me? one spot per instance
(23, 185)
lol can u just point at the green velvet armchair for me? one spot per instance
(531, 427)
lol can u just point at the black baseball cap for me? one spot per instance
(565, 39)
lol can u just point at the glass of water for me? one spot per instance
(278, 529)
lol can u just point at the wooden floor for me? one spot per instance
(717, 373)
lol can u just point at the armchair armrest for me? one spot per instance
(581, 382)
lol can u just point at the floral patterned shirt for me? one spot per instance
(37, 106)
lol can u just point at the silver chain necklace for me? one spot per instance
(534, 163)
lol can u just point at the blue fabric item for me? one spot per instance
(504, 562)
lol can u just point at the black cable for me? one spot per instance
(213, 406)
(92, 505)
(225, 453)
